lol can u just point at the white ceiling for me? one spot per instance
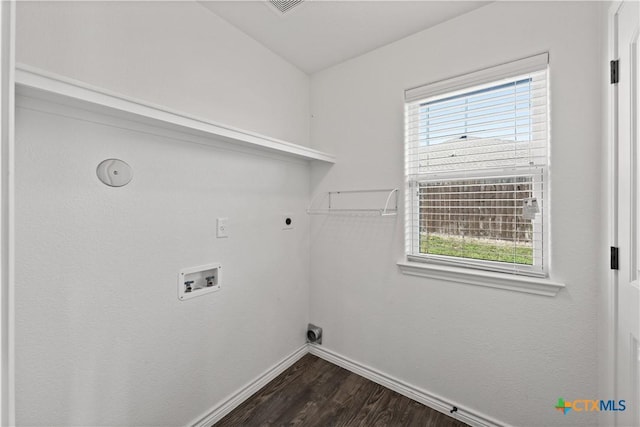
(320, 33)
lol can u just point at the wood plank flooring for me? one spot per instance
(314, 392)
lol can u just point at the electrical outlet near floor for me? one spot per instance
(288, 222)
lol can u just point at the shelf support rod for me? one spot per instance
(386, 205)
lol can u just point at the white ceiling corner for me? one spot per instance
(320, 33)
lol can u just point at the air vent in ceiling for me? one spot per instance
(285, 6)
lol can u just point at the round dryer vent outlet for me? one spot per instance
(314, 334)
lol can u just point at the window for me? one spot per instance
(476, 166)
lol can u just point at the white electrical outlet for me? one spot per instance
(288, 222)
(222, 227)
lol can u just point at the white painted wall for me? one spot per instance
(176, 54)
(101, 338)
(505, 354)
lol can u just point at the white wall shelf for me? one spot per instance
(35, 83)
(356, 202)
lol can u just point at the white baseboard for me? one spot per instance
(431, 400)
(218, 412)
(426, 398)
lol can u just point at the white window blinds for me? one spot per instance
(476, 159)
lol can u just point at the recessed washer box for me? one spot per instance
(196, 281)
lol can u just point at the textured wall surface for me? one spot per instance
(505, 354)
(101, 337)
(175, 54)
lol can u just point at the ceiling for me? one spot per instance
(320, 33)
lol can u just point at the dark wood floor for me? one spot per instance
(314, 392)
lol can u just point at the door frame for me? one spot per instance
(610, 292)
(609, 366)
(7, 188)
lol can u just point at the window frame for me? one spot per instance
(449, 88)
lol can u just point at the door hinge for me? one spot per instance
(615, 71)
(614, 258)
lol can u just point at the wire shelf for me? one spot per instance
(350, 202)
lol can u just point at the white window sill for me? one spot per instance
(511, 282)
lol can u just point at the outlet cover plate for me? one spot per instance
(222, 227)
(288, 222)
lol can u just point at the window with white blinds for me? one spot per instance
(476, 166)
